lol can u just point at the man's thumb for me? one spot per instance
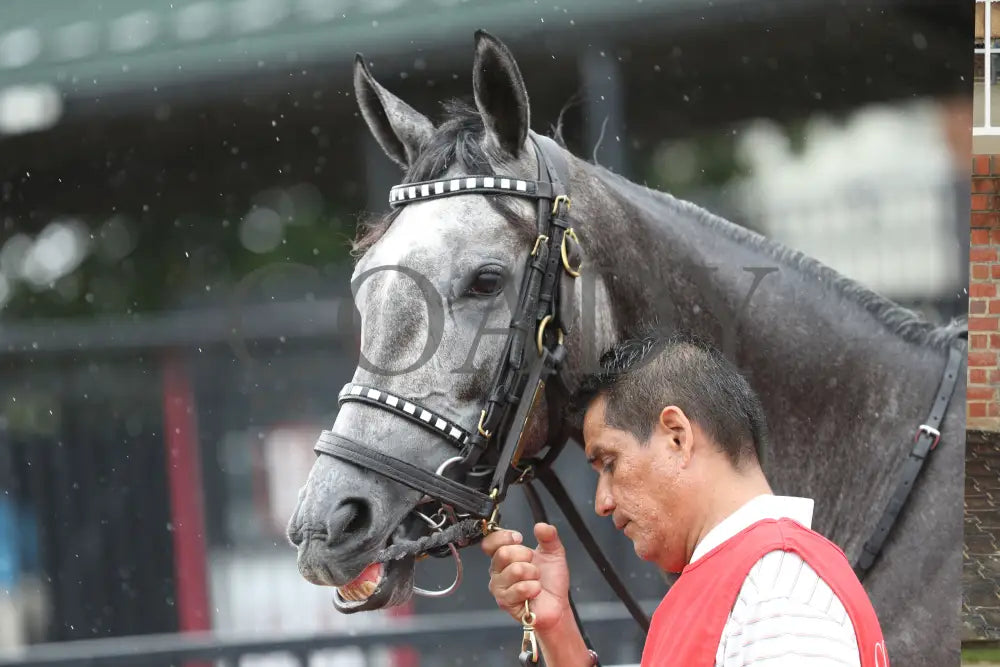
(548, 538)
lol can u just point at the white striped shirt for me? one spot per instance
(785, 614)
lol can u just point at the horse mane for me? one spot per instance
(897, 319)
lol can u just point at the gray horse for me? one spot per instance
(845, 375)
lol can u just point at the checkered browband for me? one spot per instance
(408, 409)
(444, 187)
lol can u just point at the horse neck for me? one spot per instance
(843, 383)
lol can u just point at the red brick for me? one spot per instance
(980, 393)
(982, 359)
(982, 254)
(978, 290)
(983, 382)
(985, 201)
(984, 185)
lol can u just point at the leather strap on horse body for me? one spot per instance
(436, 486)
(927, 437)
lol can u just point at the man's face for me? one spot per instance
(643, 488)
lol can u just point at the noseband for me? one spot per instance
(488, 457)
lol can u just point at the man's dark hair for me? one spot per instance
(642, 374)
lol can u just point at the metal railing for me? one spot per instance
(491, 632)
(987, 51)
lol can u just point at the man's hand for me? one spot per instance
(518, 573)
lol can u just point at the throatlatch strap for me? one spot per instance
(927, 438)
(458, 496)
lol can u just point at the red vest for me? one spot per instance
(687, 625)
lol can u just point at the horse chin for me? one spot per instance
(394, 588)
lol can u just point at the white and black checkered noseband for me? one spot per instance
(407, 409)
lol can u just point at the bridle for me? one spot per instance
(488, 459)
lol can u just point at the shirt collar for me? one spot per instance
(766, 506)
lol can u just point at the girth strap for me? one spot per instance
(928, 435)
(458, 496)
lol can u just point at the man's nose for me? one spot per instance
(604, 503)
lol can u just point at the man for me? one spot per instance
(674, 433)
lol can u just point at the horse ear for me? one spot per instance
(500, 94)
(398, 128)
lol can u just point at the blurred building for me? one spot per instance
(986, 73)
(177, 185)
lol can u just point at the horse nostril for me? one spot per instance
(352, 516)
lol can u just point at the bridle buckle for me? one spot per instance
(560, 199)
(932, 432)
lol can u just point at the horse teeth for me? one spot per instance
(367, 588)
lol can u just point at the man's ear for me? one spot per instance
(677, 431)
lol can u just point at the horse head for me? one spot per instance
(467, 304)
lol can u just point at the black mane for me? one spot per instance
(900, 321)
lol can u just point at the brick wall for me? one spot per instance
(983, 407)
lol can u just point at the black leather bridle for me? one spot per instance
(488, 459)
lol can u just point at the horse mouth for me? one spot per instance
(379, 585)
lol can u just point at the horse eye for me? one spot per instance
(486, 283)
